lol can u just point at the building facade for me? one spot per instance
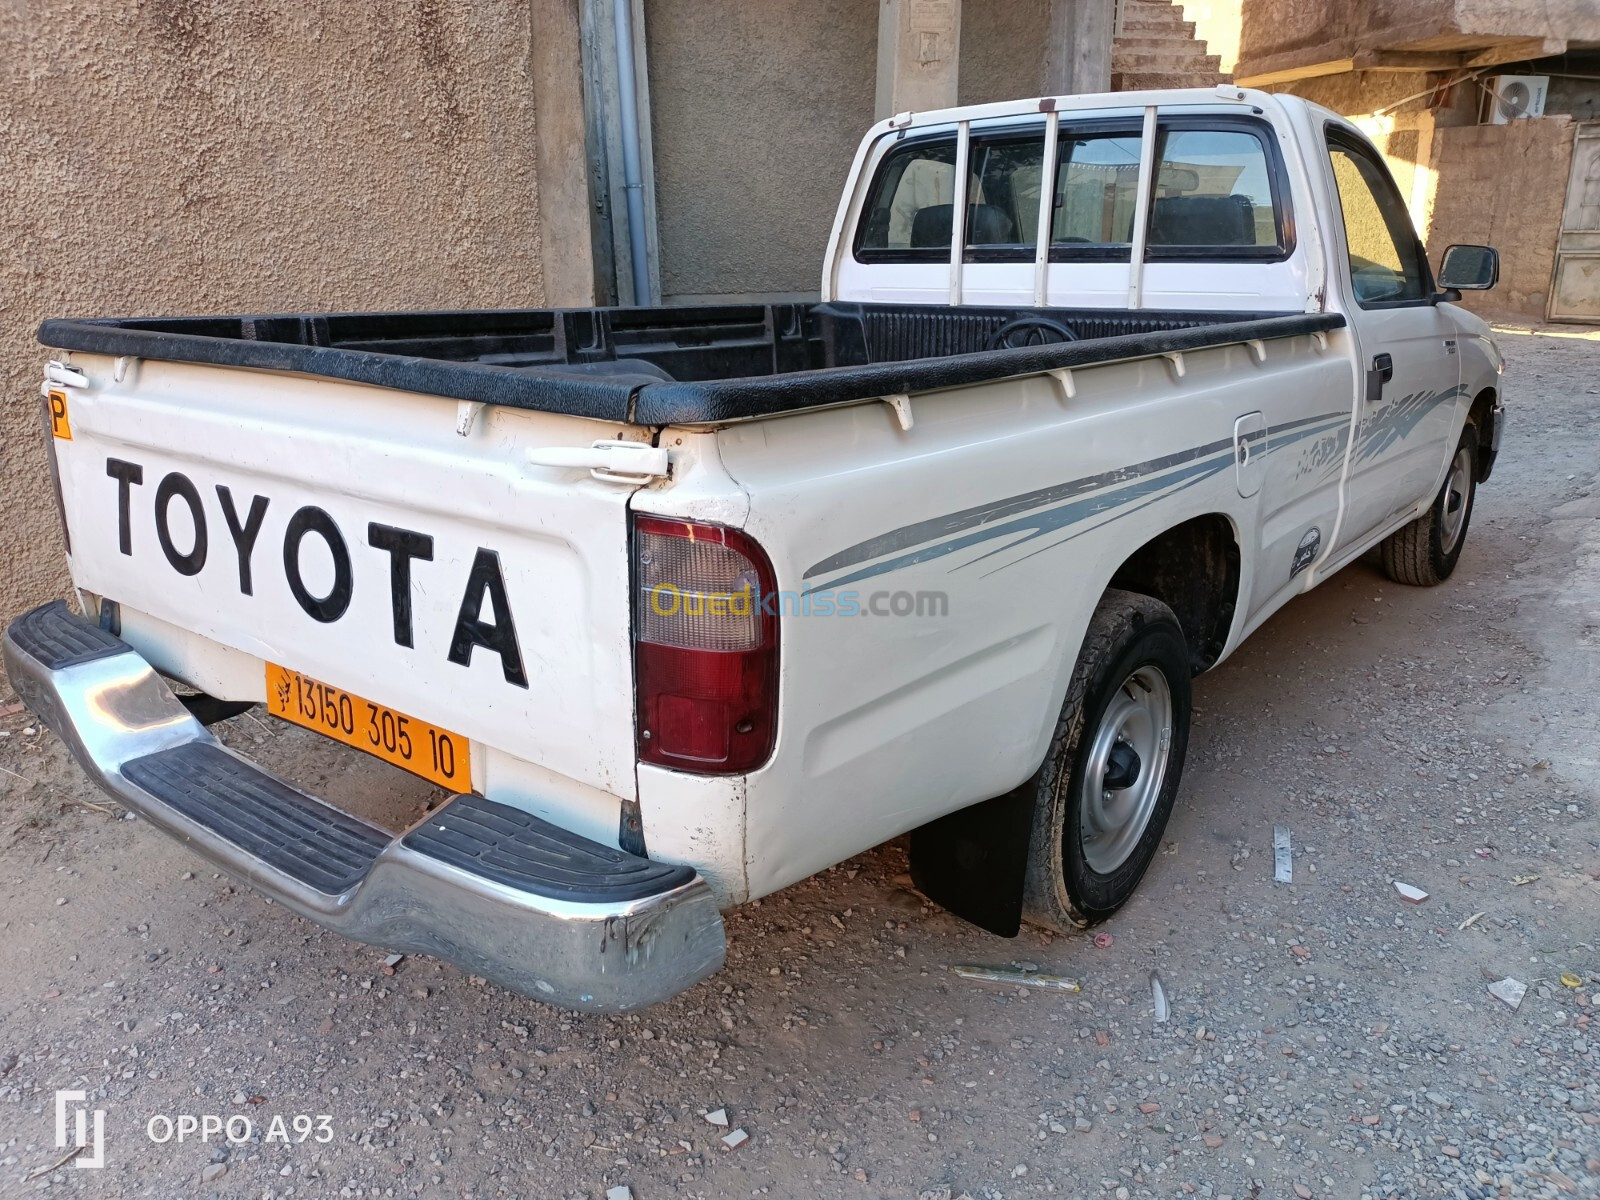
(1483, 110)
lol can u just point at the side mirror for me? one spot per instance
(1469, 268)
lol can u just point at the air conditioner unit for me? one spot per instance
(1514, 98)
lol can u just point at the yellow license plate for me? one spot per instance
(416, 746)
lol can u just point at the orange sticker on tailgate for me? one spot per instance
(60, 423)
(413, 745)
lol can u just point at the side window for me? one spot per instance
(1385, 264)
(1003, 193)
(1212, 188)
(910, 206)
(1097, 188)
(913, 202)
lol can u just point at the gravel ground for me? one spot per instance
(1326, 1038)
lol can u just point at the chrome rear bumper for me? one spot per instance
(497, 891)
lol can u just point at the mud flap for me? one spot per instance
(974, 861)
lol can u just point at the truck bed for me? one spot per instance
(669, 366)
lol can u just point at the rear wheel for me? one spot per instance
(1106, 789)
(1425, 552)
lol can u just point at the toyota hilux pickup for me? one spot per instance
(677, 606)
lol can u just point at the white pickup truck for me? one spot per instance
(678, 606)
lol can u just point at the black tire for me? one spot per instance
(1128, 636)
(1425, 552)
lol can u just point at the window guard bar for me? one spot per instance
(1141, 208)
(1047, 210)
(958, 210)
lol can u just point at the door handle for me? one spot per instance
(1381, 371)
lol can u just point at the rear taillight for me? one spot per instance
(705, 647)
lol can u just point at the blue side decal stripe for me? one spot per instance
(1130, 485)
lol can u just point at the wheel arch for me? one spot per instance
(1194, 569)
(1481, 415)
(974, 861)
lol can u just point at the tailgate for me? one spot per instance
(351, 534)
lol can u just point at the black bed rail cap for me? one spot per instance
(624, 399)
(597, 397)
(723, 401)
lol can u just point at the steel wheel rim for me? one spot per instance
(1453, 503)
(1115, 819)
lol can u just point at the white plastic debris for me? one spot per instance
(718, 1117)
(735, 1139)
(1509, 991)
(1159, 994)
(1411, 895)
(1282, 855)
(394, 960)
(621, 1192)
(1025, 977)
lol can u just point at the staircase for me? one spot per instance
(1156, 48)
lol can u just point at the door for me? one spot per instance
(1575, 291)
(1409, 370)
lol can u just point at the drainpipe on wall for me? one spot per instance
(632, 176)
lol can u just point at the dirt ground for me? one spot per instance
(1326, 1039)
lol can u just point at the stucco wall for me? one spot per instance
(1002, 50)
(192, 156)
(757, 109)
(758, 106)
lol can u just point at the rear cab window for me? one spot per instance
(1219, 192)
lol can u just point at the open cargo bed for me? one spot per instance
(672, 366)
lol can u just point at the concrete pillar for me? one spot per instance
(1077, 55)
(556, 64)
(919, 55)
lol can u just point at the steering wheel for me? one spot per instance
(1029, 331)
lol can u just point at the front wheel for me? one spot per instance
(1106, 789)
(1425, 552)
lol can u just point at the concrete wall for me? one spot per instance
(1504, 186)
(1277, 34)
(1359, 92)
(1578, 98)
(221, 156)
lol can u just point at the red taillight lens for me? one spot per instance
(705, 647)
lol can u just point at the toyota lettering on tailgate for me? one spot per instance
(483, 591)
